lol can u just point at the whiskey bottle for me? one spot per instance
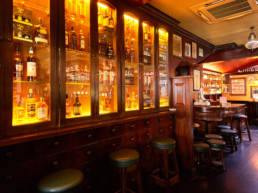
(68, 107)
(41, 35)
(19, 111)
(81, 40)
(111, 20)
(110, 51)
(31, 105)
(42, 110)
(31, 66)
(73, 39)
(77, 106)
(66, 39)
(18, 66)
(105, 20)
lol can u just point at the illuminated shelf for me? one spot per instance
(26, 121)
(103, 112)
(132, 109)
(78, 116)
(29, 82)
(22, 22)
(77, 83)
(23, 39)
(76, 52)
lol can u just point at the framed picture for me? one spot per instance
(194, 50)
(201, 52)
(238, 86)
(196, 79)
(254, 92)
(177, 45)
(187, 49)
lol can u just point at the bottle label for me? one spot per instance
(82, 44)
(66, 40)
(19, 67)
(31, 110)
(42, 113)
(31, 69)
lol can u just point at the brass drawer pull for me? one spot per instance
(55, 163)
(113, 130)
(132, 139)
(56, 143)
(90, 136)
(132, 126)
(147, 122)
(114, 145)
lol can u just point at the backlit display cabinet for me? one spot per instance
(163, 68)
(31, 62)
(131, 28)
(77, 52)
(107, 58)
(148, 66)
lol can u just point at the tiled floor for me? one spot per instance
(241, 175)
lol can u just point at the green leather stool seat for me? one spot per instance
(216, 144)
(213, 136)
(124, 158)
(201, 147)
(223, 127)
(228, 132)
(239, 115)
(61, 181)
(163, 143)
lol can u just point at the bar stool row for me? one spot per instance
(69, 180)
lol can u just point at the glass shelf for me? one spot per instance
(31, 62)
(131, 27)
(163, 68)
(77, 53)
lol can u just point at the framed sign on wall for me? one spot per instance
(196, 79)
(194, 50)
(238, 86)
(177, 45)
(187, 49)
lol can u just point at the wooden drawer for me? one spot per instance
(130, 139)
(164, 121)
(16, 153)
(145, 136)
(110, 145)
(52, 146)
(131, 126)
(86, 137)
(149, 123)
(85, 155)
(112, 131)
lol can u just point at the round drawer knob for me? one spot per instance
(132, 139)
(114, 145)
(55, 163)
(89, 153)
(56, 143)
(90, 136)
(113, 130)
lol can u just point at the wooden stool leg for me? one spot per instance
(139, 180)
(239, 130)
(222, 160)
(235, 143)
(175, 161)
(123, 180)
(248, 129)
(165, 161)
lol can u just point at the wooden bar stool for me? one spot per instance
(197, 135)
(200, 151)
(241, 118)
(217, 146)
(213, 136)
(165, 177)
(124, 159)
(230, 138)
(63, 181)
(219, 127)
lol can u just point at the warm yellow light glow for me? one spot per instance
(144, 24)
(84, 114)
(102, 5)
(130, 18)
(26, 121)
(164, 102)
(162, 31)
(132, 109)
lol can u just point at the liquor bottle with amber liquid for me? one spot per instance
(77, 106)
(110, 51)
(31, 66)
(66, 39)
(41, 35)
(31, 105)
(73, 39)
(42, 110)
(81, 41)
(18, 66)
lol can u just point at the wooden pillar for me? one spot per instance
(182, 88)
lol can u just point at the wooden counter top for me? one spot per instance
(217, 107)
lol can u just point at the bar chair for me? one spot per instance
(217, 147)
(242, 118)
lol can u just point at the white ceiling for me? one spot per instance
(235, 30)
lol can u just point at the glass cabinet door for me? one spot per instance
(163, 68)
(148, 66)
(77, 43)
(131, 62)
(107, 58)
(31, 62)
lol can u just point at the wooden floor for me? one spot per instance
(241, 175)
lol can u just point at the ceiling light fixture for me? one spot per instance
(252, 43)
